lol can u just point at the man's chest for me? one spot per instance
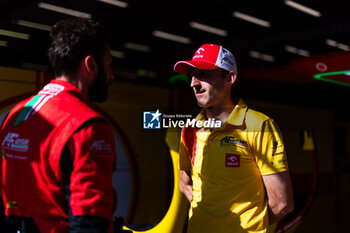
(222, 155)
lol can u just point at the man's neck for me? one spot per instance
(220, 112)
(75, 82)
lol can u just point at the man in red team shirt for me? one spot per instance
(58, 154)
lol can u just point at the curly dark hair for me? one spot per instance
(71, 40)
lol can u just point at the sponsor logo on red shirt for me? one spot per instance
(100, 146)
(13, 142)
(232, 160)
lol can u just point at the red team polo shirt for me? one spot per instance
(32, 140)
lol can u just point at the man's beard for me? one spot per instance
(98, 91)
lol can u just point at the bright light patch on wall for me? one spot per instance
(115, 3)
(13, 34)
(303, 8)
(63, 10)
(343, 47)
(294, 50)
(3, 43)
(331, 42)
(117, 54)
(254, 54)
(267, 57)
(146, 73)
(173, 37)
(251, 19)
(338, 45)
(262, 56)
(29, 24)
(209, 29)
(137, 47)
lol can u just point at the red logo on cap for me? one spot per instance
(198, 54)
(232, 160)
(199, 50)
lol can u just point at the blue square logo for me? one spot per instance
(151, 120)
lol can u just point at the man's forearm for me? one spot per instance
(277, 211)
(279, 194)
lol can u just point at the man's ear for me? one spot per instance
(230, 78)
(90, 65)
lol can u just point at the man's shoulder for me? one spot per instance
(250, 114)
(73, 105)
(255, 118)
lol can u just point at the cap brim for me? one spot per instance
(185, 67)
